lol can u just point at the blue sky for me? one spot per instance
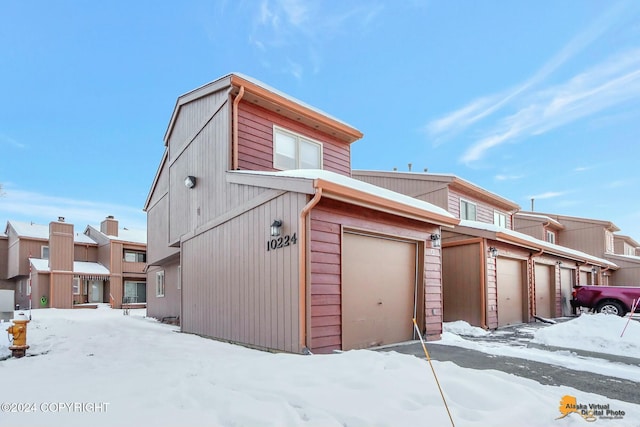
(526, 99)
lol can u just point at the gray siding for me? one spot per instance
(531, 227)
(158, 232)
(238, 290)
(434, 192)
(205, 155)
(583, 236)
(169, 305)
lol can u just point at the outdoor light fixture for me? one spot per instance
(435, 240)
(275, 227)
(190, 181)
(593, 270)
(493, 252)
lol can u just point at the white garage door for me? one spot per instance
(378, 290)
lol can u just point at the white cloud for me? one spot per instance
(613, 82)
(502, 177)
(480, 108)
(547, 195)
(4, 139)
(31, 206)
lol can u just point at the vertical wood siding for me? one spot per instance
(583, 236)
(206, 157)
(234, 289)
(255, 141)
(530, 227)
(327, 220)
(169, 305)
(158, 232)
(434, 192)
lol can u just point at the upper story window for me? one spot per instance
(550, 236)
(44, 252)
(293, 151)
(467, 210)
(499, 219)
(608, 236)
(135, 256)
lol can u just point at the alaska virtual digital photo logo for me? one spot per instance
(590, 412)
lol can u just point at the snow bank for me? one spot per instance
(149, 374)
(594, 332)
(460, 327)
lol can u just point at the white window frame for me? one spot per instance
(608, 242)
(160, 284)
(42, 250)
(136, 255)
(550, 236)
(76, 286)
(497, 216)
(299, 139)
(469, 202)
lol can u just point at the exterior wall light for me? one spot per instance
(493, 252)
(190, 181)
(435, 240)
(275, 227)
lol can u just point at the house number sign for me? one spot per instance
(281, 242)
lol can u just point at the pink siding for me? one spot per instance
(327, 220)
(255, 141)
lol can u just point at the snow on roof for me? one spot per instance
(39, 231)
(79, 267)
(355, 184)
(126, 235)
(631, 258)
(536, 242)
(289, 97)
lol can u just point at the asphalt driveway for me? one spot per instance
(611, 387)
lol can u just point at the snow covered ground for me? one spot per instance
(98, 368)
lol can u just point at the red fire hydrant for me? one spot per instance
(19, 332)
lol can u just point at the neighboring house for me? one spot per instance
(595, 237)
(124, 253)
(258, 235)
(55, 266)
(492, 276)
(625, 245)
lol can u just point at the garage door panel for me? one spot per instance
(544, 294)
(378, 290)
(510, 291)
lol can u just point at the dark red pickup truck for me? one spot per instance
(616, 300)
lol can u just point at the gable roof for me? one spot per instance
(450, 180)
(163, 162)
(31, 230)
(543, 219)
(627, 239)
(610, 226)
(124, 235)
(343, 188)
(524, 240)
(267, 97)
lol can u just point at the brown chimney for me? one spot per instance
(109, 226)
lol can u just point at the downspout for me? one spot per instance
(531, 275)
(234, 153)
(483, 283)
(304, 291)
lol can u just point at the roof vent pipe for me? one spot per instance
(409, 167)
(532, 200)
(60, 219)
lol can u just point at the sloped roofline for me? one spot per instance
(607, 224)
(343, 188)
(455, 181)
(542, 219)
(269, 96)
(517, 238)
(627, 239)
(165, 156)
